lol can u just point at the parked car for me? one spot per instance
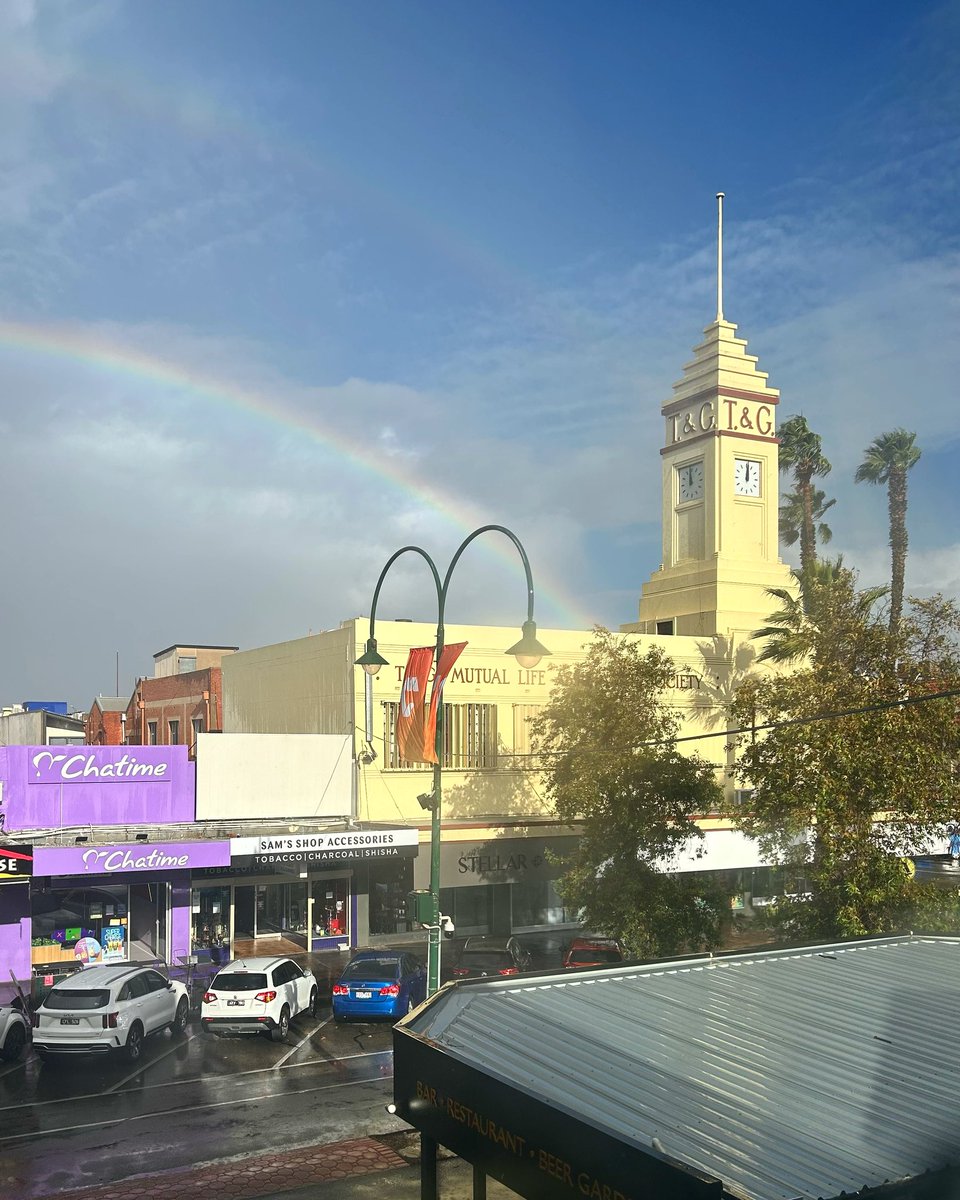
(379, 983)
(258, 995)
(593, 952)
(491, 956)
(14, 1031)
(109, 1007)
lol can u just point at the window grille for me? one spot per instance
(469, 738)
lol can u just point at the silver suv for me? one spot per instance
(258, 995)
(110, 1007)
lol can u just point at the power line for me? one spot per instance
(751, 729)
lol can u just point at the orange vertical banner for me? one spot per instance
(448, 656)
(413, 694)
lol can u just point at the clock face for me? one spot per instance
(690, 482)
(746, 477)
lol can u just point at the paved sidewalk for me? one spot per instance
(358, 1170)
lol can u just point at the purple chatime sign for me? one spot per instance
(122, 860)
(48, 787)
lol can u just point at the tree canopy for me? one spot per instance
(859, 768)
(607, 746)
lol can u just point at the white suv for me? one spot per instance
(110, 1007)
(258, 995)
(14, 1032)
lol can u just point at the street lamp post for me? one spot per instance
(528, 652)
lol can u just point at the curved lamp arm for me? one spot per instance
(371, 660)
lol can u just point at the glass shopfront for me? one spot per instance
(210, 923)
(113, 922)
(331, 911)
(389, 885)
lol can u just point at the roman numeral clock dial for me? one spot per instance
(746, 477)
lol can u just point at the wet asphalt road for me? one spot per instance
(191, 1099)
(195, 1099)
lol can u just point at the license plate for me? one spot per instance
(234, 1004)
(364, 995)
(69, 1020)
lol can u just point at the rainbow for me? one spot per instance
(93, 350)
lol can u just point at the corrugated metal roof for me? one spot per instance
(800, 1073)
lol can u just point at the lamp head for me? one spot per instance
(528, 651)
(370, 659)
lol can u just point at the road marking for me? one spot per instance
(178, 1044)
(15, 1066)
(293, 1049)
(327, 1087)
(205, 1079)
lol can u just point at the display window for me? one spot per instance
(85, 925)
(210, 923)
(331, 909)
(389, 885)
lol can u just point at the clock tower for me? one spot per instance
(720, 493)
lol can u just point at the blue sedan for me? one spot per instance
(379, 983)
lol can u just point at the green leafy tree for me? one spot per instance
(887, 460)
(827, 592)
(606, 741)
(801, 452)
(792, 516)
(844, 797)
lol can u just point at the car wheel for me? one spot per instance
(279, 1032)
(179, 1023)
(134, 1047)
(13, 1046)
(312, 1007)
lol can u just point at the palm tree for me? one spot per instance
(887, 460)
(791, 517)
(800, 452)
(826, 592)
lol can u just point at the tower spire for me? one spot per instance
(719, 256)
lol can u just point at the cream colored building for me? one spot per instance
(720, 555)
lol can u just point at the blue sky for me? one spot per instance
(473, 243)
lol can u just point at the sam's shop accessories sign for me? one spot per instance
(317, 849)
(126, 860)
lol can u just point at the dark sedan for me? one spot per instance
(491, 956)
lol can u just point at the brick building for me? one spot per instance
(104, 725)
(183, 699)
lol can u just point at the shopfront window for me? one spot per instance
(536, 904)
(210, 923)
(389, 885)
(331, 909)
(89, 925)
(471, 908)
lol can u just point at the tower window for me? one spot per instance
(665, 627)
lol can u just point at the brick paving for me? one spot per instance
(244, 1179)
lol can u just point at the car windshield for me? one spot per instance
(77, 998)
(372, 968)
(595, 956)
(485, 958)
(240, 981)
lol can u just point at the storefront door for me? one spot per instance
(149, 904)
